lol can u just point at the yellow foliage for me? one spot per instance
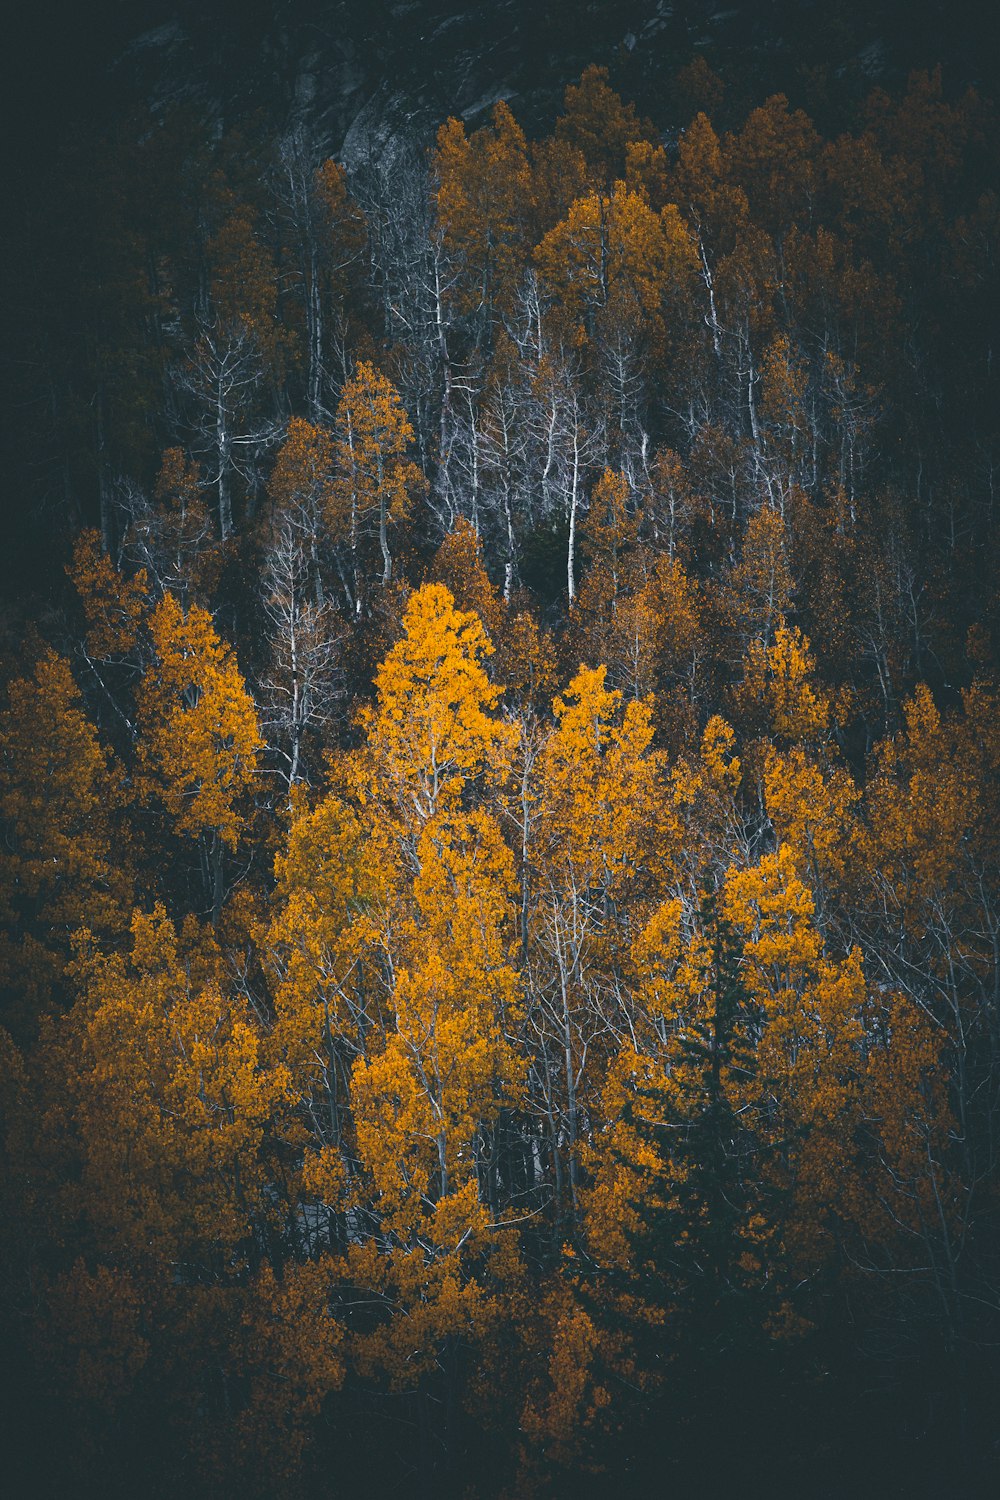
(303, 469)
(599, 780)
(600, 125)
(199, 742)
(527, 660)
(115, 605)
(293, 1358)
(616, 253)
(760, 587)
(448, 1067)
(812, 810)
(323, 931)
(171, 1098)
(485, 194)
(433, 729)
(60, 867)
(458, 564)
(703, 798)
(374, 480)
(781, 678)
(568, 1399)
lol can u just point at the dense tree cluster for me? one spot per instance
(499, 867)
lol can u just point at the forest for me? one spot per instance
(499, 807)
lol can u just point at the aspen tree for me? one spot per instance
(199, 742)
(375, 480)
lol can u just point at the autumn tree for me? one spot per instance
(433, 730)
(64, 864)
(615, 253)
(600, 126)
(459, 565)
(426, 1101)
(585, 859)
(114, 603)
(301, 489)
(199, 742)
(484, 193)
(172, 1100)
(243, 287)
(375, 480)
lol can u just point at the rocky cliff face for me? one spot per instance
(366, 72)
(361, 71)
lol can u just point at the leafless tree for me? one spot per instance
(222, 377)
(303, 683)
